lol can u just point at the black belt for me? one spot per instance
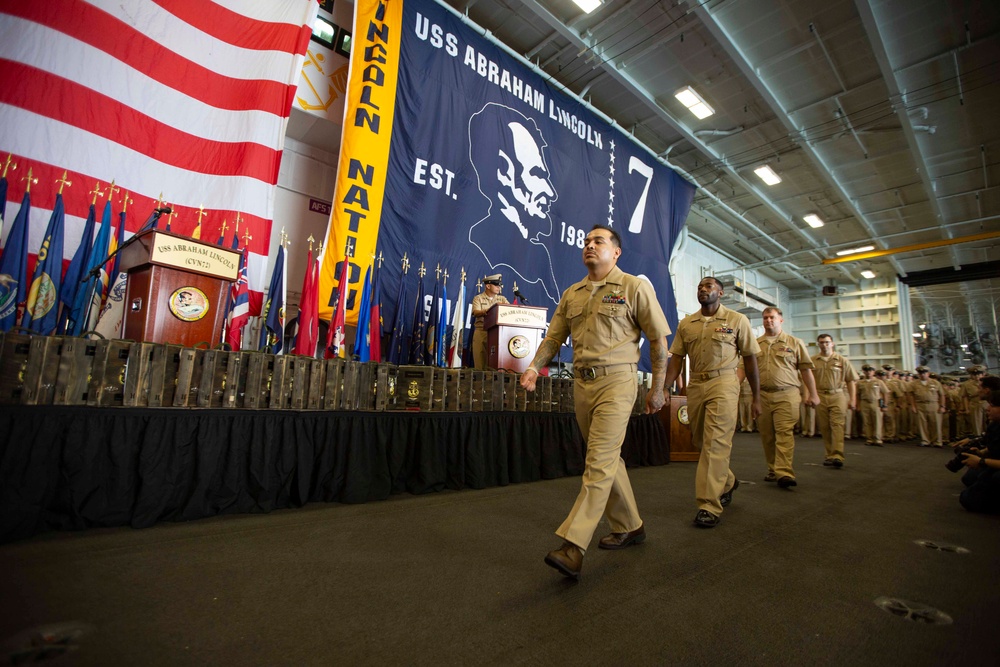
(771, 390)
(830, 391)
(597, 371)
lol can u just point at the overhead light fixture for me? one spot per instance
(767, 175)
(588, 5)
(694, 102)
(868, 273)
(851, 251)
(813, 221)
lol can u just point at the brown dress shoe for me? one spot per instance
(568, 559)
(622, 540)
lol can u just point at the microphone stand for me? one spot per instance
(95, 273)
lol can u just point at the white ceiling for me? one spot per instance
(880, 116)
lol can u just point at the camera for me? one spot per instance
(958, 462)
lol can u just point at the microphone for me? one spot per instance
(520, 296)
(166, 210)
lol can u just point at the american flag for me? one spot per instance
(188, 98)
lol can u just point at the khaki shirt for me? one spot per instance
(779, 362)
(606, 324)
(714, 342)
(832, 372)
(484, 302)
(953, 398)
(896, 389)
(872, 391)
(927, 392)
(970, 390)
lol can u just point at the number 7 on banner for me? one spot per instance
(635, 164)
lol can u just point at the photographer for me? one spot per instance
(983, 460)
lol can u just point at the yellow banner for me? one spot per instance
(364, 150)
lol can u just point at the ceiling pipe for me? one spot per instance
(718, 133)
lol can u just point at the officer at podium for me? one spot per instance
(492, 285)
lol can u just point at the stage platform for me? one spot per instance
(71, 468)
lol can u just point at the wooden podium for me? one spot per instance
(674, 418)
(514, 334)
(177, 288)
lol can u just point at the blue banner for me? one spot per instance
(494, 170)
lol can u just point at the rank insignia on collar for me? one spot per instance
(727, 330)
(614, 296)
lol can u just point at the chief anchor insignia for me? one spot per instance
(413, 391)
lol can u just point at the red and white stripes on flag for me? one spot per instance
(188, 98)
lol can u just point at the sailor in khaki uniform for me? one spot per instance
(605, 314)
(714, 338)
(836, 385)
(782, 360)
(872, 394)
(950, 428)
(927, 404)
(890, 420)
(907, 419)
(972, 405)
(481, 303)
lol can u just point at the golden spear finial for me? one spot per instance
(63, 182)
(319, 249)
(406, 264)
(311, 240)
(30, 180)
(225, 226)
(237, 229)
(96, 192)
(380, 259)
(201, 213)
(126, 200)
(246, 237)
(463, 275)
(437, 272)
(112, 189)
(422, 271)
(446, 276)
(8, 165)
(283, 238)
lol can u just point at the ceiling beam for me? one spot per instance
(870, 22)
(585, 43)
(912, 248)
(742, 61)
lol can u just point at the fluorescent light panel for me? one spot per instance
(851, 251)
(813, 221)
(867, 273)
(694, 102)
(767, 175)
(588, 5)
